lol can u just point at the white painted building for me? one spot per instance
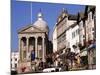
(72, 36)
(14, 60)
(55, 39)
(81, 33)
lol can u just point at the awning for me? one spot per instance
(84, 53)
(92, 46)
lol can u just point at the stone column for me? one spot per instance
(27, 49)
(22, 50)
(19, 45)
(43, 48)
(36, 51)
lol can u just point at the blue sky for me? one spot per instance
(21, 16)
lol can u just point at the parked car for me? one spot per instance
(55, 69)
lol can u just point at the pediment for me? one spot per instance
(30, 29)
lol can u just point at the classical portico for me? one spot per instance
(32, 42)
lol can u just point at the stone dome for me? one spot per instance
(41, 24)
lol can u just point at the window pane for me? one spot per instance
(15, 65)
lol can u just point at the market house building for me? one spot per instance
(33, 44)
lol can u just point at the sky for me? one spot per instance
(21, 16)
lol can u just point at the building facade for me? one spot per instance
(14, 60)
(66, 31)
(54, 40)
(33, 41)
(75, 32)
(65, 35)
(90, 24)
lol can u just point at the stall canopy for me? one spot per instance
(84, 52)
